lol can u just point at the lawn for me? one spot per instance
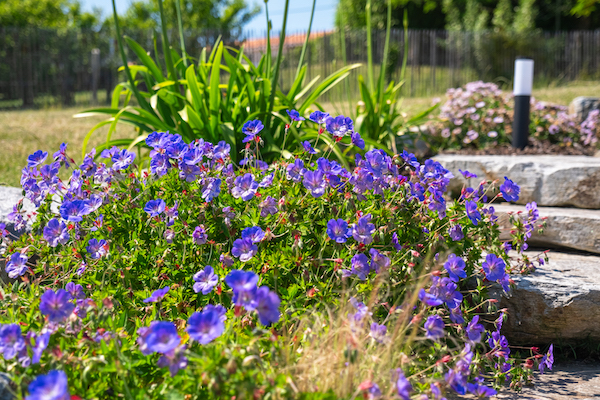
(23, 132)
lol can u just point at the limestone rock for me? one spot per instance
(582, 106)
(9, 196)
(547, 180)
(558, 303)
(565, 227)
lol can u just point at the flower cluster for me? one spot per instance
(480, 115)
(193, 263)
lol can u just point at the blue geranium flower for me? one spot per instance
(243, 284)
(319, 117)
(339, 126)
(267, 306)
(313, 181)
(159, 337)
(205, 280)
(363, 230)
(251, 129)
(11, 340)
(434, 327)
(244, 249)
(155, 207)
(16, 266)
(510, 190)
(207, 325)
(455, 267)
(245, 187)
(157, 295)
(357, 140)
(56, 305)
(474, 329)
(308, 147)
(74, 210)
(36, 158)
(122, 160)
(338, 230)
(493, 267)
(254, 233)
(294, 115)
(472, 212)
(403, 386)
(56, 232)
(52, 386)
(97, 248)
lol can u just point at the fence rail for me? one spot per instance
(72, 67)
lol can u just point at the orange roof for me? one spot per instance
(293, 40)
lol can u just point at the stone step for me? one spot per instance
(548, 180)
(571, 228)
(558, 303)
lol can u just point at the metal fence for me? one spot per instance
(40, 67)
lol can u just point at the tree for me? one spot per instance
(45, 14)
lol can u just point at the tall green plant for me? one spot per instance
(211, 98)
(378, 118)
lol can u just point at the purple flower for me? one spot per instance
(244, 249)
(510, 190)
(56, 232)
(480, 391)
(266, 181)
(378, 332)
(396, 242)
(294, 115)
(361, 310)
(339, 126)
(243, 284)
(226, 260)
(308, 148)
(41, 343)
(363, 230)
(357, 140)
(254, 233)
(61, 155)
(360, 266)
(159, 337)
(295, 171)
(251, 129)
(211, 189)
(75, 290)
(122, 160)
(97, 249)
(493, 267)
(456, 233)
(268, 207)
(429, 299)
(455, 267)
(36, 158)
(157, 295)
(174, 359)
(16, 266)
(467, 174)
(74, 210)
(403, 386)
(338, 230)
(267, 306)
(319, 117)
(199, 235)
(221, 150)
(475, 329)
(52, 386)
(434, 327)
(207, 325)
(56, 305)
(472, 212)
(11, 340)
(547, 360)
(155, 207)
(245, 187)
(313, 181)
(378, 260)
(205, 280)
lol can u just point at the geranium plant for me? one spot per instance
(188, 276)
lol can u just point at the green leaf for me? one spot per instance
(215, 92)
(145, 59)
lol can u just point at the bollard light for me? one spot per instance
(522, 92)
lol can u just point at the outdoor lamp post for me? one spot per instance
(522, 92)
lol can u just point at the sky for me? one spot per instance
(298, 18)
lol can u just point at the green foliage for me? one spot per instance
(211, 99)
(45, 14)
